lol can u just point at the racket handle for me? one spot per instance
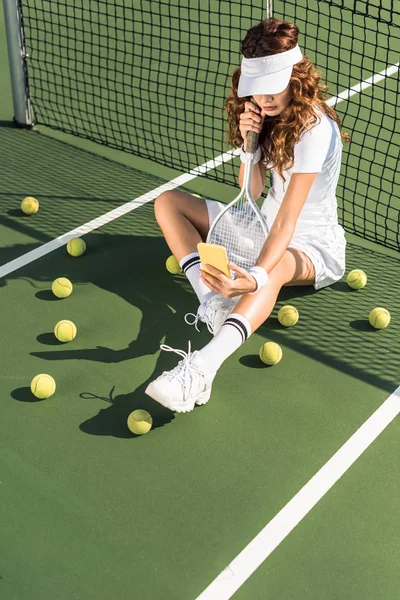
(251, 142)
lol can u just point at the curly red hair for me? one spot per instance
(280, 133)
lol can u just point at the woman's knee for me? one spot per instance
(164, 203)
(294, 268)
(174, 203)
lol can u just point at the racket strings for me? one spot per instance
(239, 230)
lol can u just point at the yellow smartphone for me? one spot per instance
(214, 255)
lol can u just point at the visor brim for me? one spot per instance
(275, 83)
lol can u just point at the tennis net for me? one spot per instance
(151, 78)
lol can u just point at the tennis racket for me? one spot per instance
(240, 227)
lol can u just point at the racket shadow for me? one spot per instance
(112, 419)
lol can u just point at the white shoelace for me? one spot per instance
(196, 318)
(208, 311)
(184, 372)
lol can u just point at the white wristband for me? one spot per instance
(245, 156)
(261, 277)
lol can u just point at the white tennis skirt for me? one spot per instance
(324, 246)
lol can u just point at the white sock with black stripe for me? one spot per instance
(233, 333)
(190, 265)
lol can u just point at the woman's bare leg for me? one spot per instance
(294, 268)
(181, 394)
(183, 220)
(253, 309)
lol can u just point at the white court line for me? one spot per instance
(392, 70)
(37, 253)
(44, 249)
(257, 551)
(254, 554)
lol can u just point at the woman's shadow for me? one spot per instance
(163, 300)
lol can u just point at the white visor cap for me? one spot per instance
(267, 74)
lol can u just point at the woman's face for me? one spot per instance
(273, 104)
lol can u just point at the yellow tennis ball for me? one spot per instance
(29, 205)
(65, 331)
(172, 265)
(76, 247)
(270, 353)
(357, 279)
(62, 287)
(288, 315)
(43, 386)
(197, 195)
(379, 317)
(140, 421)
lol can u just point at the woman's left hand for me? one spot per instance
(227, 287)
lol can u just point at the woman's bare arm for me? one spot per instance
(258, 180)
(283, 227)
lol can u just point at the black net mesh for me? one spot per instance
(151, 78)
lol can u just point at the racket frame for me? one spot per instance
(245, 192)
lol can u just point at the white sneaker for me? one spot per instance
(213, 312)
(184, 386)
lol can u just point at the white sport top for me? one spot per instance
(317, 151)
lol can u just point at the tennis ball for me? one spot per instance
(76, 247)
(197, 195)
(43, 386)
(379, 317)
(357, 279)
(172, 265)
(270, 353)
(29, 205)
(65, 331)
(62, 287)
(288, 315)
(140, 421)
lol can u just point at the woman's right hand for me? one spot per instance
(251, 119)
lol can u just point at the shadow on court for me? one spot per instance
(126, 257)
(111, 420)
(72, 186)
(24, 394)
(332, 328)
(131, 267)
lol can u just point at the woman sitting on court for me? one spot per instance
(300, 142)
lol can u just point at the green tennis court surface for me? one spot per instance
(89, 511)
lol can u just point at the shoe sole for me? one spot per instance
(181, 407)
